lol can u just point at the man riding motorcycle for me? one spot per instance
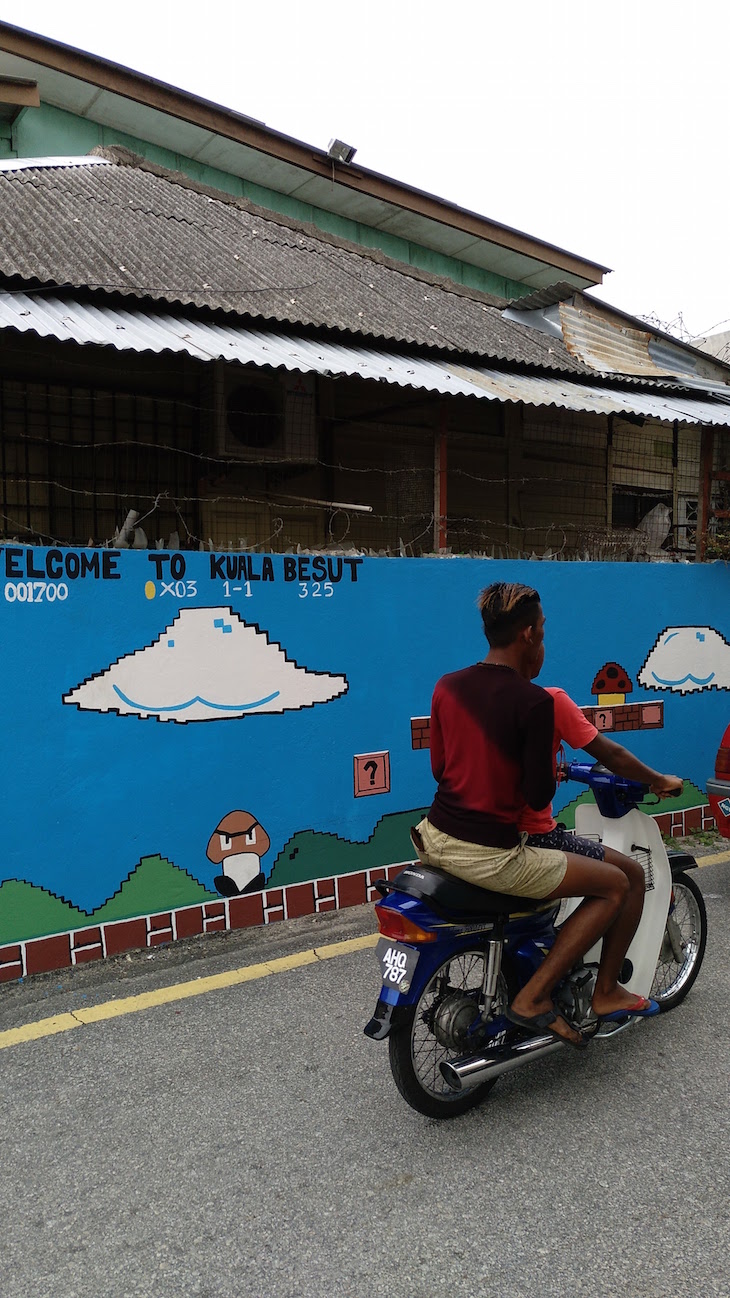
(492, 754)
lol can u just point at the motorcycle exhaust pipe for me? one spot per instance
(471, 1070)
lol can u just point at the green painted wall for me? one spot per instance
(52, 132)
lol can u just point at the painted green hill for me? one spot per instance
(312, 855)
(155, 884)
(27, 911)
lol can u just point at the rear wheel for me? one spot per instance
(437, 1028)
(683, 945)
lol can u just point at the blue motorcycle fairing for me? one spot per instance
(526, 939)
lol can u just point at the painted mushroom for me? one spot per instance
(237, 845)
(612, 684)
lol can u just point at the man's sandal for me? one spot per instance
(643, 1008)
(542, 1023)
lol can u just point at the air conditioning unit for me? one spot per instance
(266, 418)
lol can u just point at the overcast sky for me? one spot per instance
(597, 126)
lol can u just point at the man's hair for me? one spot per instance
(506, 608)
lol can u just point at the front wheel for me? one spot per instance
(683, 945)
(437, 1028)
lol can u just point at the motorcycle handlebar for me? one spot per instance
(598, 777)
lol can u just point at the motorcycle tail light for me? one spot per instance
(401, 929)
(722, 761)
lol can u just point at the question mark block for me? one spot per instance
(371, 774)
(603, 718)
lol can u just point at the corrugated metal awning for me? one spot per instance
(148, 331)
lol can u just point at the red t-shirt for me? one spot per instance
(491, 752)
(571, 727)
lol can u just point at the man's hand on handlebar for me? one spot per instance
(667, 786)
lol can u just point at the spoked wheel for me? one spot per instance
(683, 945)
(437, 1028)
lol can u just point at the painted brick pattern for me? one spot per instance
(420, 732)
(63, 950)
(620, 717)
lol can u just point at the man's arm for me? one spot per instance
(622, 762)
(538, 777)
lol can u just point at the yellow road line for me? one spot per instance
(201, 986)
(713, 860)
(179, 991)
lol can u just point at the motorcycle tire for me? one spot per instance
(416, 1052)
(674, 978)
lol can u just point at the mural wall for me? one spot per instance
(185, 730)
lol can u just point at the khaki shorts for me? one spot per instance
(521, 870)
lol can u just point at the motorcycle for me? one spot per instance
(453, 955)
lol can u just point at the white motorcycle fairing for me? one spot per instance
(636, 835)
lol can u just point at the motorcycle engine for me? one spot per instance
(456, 1022)
(574, 995)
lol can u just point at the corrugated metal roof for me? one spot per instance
(145, 233)
(194, 128)
(614, 346)
(146, 331)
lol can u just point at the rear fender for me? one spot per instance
(384, 1018)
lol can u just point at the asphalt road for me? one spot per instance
(249, 1143)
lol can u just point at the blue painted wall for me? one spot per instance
(88, 793)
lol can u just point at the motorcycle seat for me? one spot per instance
(457, 899)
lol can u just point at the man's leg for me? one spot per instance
(608, 995)
(605, 888)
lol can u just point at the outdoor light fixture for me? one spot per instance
(338, 151)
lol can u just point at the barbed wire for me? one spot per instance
(577, 457)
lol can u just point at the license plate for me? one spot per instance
(397, 963)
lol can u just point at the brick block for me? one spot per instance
(47, 953)
(664, 822)
(245, 912)
(84, 937)
(85, 954)
(161, 923)
(299, 900)
(11, 963)
(692, 819)
(274, 906)
(86, 945)
(125, 935)
(189, 922)
(214, 917)
(420, 732)
(351, 889)
(627, 717)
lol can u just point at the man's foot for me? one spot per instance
(540, 1020)
(618, 1000)
(642, 1008)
